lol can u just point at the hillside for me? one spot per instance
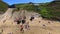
(3, 6)
(50, 10)
(54, 9)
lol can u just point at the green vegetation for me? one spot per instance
(54, 9)
(28, 7)
(50, 10)
(3, 6)
(44, 12)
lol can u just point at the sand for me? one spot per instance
(35, 27)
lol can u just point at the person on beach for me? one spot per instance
(24, 17)
(22, 30)
(23, 21)
(20, 25)
(48, 21)
(27, 26)
(31, 18)
(17, 20)
(39, 21)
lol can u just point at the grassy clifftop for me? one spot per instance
(3, 6)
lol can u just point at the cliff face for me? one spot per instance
(11, 15)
